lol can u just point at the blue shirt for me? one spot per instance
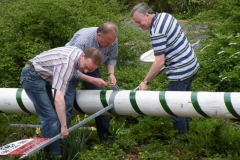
(168, 38)
(87, 37)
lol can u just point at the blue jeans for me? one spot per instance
(40, 93)
(102, 121)
(181, 123)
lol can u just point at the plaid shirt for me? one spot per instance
(57, 65)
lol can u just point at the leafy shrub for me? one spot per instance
(212, 136)
(29, 27)
(156, 127)
(74, 143)
(110, 151)
(219, 57)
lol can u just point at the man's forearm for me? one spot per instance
(61, 112)
(86, 78)
(155, 68)
(60, 108)
(110, 69)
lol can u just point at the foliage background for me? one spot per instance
(29, 27)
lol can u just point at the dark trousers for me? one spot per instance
(102, 121)
(181, 124)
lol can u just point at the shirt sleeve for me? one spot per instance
(159, 43)
(76, 41)
(62, 74)
(78, 74)
(112, 60)
(61, 77)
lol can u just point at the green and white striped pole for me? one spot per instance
(127, 102)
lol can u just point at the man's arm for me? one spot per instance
(153, 72)
(61, 111)
(99, 82)
(111, 77)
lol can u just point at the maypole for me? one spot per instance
(129, 102)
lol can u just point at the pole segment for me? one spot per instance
(129, 102)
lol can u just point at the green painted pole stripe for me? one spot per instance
(134, 103)
(164, 104)
(76, 106)
(19, 100)
(228, 103)
(104, 99)
(196, 104)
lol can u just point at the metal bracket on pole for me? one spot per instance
(70, 130)
(112, 97)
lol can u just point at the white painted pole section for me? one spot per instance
(8, 101)
(126, 102)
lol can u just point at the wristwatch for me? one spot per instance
(146, 82)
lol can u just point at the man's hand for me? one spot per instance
(143, 86)
(112, 80)
(99, 82)
(64, 132)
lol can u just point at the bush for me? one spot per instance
(214, 136)
(219, 57)
(29, 27)
(74, 143)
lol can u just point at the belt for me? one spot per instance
(29, 64)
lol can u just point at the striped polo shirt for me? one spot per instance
(58, 65)
(87, 37)
(168, 38)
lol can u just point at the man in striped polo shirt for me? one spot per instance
(54, 69)
(171, 49)
(104, 38)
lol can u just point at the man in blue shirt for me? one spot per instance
(103, 38)
(171, 49)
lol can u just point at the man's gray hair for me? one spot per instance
(107, 28)
(142, 8)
